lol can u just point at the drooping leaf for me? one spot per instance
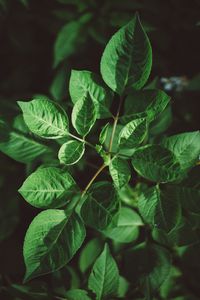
(152, 265)
(84, 82)
(127, 58)
(156, 164)
(133, 133)
(17, 143)
(160, 207)
(45, 118)
(100, 205)
(185, 146)
(144, 104)
(127, 228)
(84, 115)
(51, 240)
(71, 152)
(120, 172)
(48, 187)
(89, 254)
(104, 278)
(77, 294)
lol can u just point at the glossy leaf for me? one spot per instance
(120, 172)
(84, 82)
(103, 134)
(48, 187)
(144, 104)
(104, 278)
(156, 164)
(127, 58)
(84, 115)
(185, 146)
(100, 205)
(45, 118)
(51, 241)
(127, 228)
(133, 133)
(160, 207)
(71, 152)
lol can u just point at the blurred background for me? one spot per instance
(42, 40)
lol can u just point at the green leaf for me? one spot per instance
(127, 58)
(133, 133)
(126, 229)
(162, 122)
(120, 172)
(104, 278)
(66, 42)
(71, 152)
(77, 294)
(17, 143)
(84, 82)
(89, 254)
(156, 164)
(185, 146)
(160, 207)
(103, 134)
(100, 205)
(45, 118)
(123, 287)
(51, 240)
(48, 187)
(144, 104)
(84, 115)
(152, 265)
(58, 88)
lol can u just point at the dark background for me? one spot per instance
(28, 30)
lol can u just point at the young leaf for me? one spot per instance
(152, 265)
(51, 241)
(77, 294)
(48, 187)
(104, 278)
(18, 144)
(144, 104)
(84, 115)
(160, 207)
(133, 133)
(156, 164)
(45, 118)
(71, 152)
(185, 146)
(83, 82)
(103, 134)
(89, 254)
(120, 172)
(100, 206)
(127, 58)
(126, 229)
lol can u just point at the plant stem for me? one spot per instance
(82, 140)
(93, 178)
(116, 118)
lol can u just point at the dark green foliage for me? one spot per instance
(129, 229)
